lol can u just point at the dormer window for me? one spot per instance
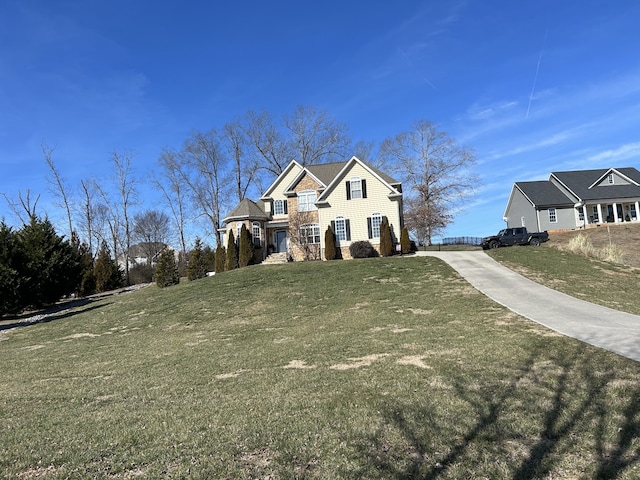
(356, 188)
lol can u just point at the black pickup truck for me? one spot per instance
(514, 236)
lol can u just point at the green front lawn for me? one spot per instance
(380, 368)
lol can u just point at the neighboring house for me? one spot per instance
(575, 199)
(294, 213)
(145, 253)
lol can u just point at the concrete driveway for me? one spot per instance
(600, 326)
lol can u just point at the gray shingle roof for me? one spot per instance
(246, 210)
(544, 193)
(579, 181)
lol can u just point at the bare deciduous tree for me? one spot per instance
(315, 136)
(438, 173)
(244, 166)
(151, 229)
(87, 216)
(125, 184)
(175, 193)
(24, 208)
(265, 137)
(58, 184)
(207, 179)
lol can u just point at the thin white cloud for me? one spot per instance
(623, 152)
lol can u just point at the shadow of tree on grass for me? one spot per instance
(559, 415)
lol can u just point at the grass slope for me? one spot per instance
(554, 265)
(381, 368)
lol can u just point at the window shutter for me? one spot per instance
(347, 226)
(348, 184)
(286, 208)
(333, 226)
(369, 227)
(364, 188)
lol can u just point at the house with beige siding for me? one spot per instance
(293, 214)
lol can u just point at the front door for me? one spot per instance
(281, 241)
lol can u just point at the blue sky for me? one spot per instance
(532, 86)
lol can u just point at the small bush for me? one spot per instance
(362, 249)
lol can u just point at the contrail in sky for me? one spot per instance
(535, 78)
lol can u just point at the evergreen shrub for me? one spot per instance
(108, 275)
(167, 269)
(196, 266)
(220, 258)
(330, 251)
(232, 253)
(245, 254)
(405, 241)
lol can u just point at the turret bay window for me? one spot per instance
(342, 229)
(256, 234)
(373, 225)
(280, 207)
(307, 201)
(356, 188)
(310, 234)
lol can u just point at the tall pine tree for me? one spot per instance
(196, 267)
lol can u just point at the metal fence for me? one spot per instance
(462, 241)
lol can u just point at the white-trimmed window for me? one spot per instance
(596, 217)
(610, 178)
(280, 207)
(633, 211)
(356, 188)
(310, 234)
(552, 215)
(374, 225)
(256, 234)
(580, 215)
(341, 229)
(238, 230)
(307, 201)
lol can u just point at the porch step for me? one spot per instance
(275, 258)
